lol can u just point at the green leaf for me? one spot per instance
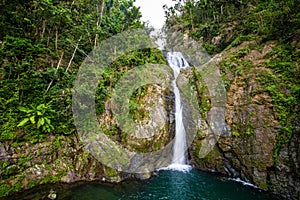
(41, 122)
(51, 127)
(5, 164)
(41, 107)
(47, 121)
(51, 70)
(32, 119)
(23, 122)
(26, 110)
(26, 19)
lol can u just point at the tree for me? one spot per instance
(42, 46)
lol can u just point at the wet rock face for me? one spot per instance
(151, 116)
(247, 147)
(285, 176)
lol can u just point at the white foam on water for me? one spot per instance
(242, 182)
(177, 167)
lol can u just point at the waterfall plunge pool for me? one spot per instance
(166, 184)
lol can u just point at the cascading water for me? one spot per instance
(179, 160)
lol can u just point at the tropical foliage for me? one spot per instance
(42, 44)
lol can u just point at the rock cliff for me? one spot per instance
(251, 146)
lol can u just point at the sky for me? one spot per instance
(152, 11)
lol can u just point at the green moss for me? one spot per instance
(235, 65)
(157, 145)
(3, 164)
(235, 134)
(110, 172)
(202, 92)
(17, 182)
(22, 162)
(264, 185)
(17, 186)
(32, 184)
(213, 154)
(11, 169)
(195, 152)
(282, 83)
(7, 169)
(137, 104)
(15, 144)
(4, 189)
(249, 130)
(112, 130)
(57, 141)
(50, 178)
(200, 134)
(209, 48)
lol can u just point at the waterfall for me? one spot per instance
(176, 61)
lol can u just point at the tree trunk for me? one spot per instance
(57, 67)
(43, 31)
(99, 21)
(76, 47)
(56, 38)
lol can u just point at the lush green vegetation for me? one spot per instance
(43, 43)
(220, 25)
(42, 46)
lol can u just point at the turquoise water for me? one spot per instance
(173, 185)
